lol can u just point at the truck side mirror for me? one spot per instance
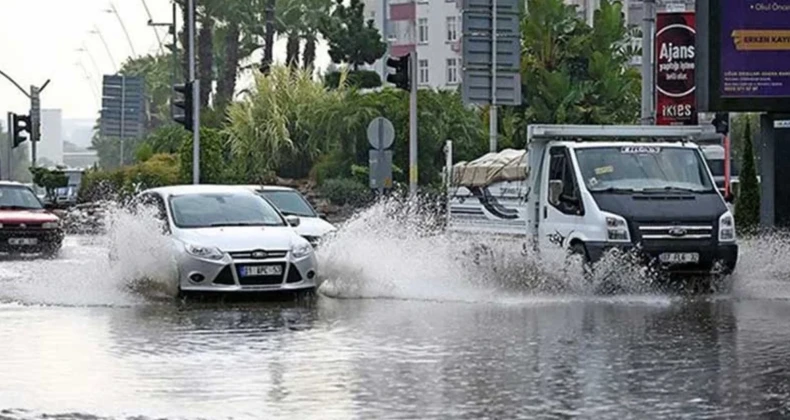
(555, 190)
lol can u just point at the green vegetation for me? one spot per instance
(747, 205)
(290, 124)
(49, 179)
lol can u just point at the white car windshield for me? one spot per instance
(222, 209)
(18, 198)
(290, 203)
(643, 168)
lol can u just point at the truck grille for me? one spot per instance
(675, 232)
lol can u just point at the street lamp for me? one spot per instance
(96, 31)
(173, 50)
(114, 11)
(93, 61)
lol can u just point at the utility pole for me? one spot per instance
(35, 122)
(9, 166)
(195, 95)
(648, 41)
(413, 124)
(492, 115)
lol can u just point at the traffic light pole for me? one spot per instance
(413, 124)
(195, 95)
(9, 171)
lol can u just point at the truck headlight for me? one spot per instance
(617, 229)
(726, 227)
(301, 250)
(208, 252)
(50, 225)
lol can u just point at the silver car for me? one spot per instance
(228, 239)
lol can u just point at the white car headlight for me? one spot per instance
(50, 225)
(208, 252)
(617, 229)
(301, 250)
(726, 227)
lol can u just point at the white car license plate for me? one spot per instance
(679, 257)
(22, 241)
(261, 270)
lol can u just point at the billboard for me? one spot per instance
(755, 49)
(675, 57)
(743, 51)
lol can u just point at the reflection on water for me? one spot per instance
(649, 357)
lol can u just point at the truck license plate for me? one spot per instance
(22, 241)
(679, 257)
(261, 270)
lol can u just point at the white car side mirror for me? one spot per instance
(293, 220)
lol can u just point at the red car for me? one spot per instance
(26, 226)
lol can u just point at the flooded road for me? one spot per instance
(77, 344)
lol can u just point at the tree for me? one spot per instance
(49, 179)
(573, 73)
(747, 205)
(157, 71)
(351, 39)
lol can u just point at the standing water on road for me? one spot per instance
(408, 323)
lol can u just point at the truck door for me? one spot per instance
(561, 208)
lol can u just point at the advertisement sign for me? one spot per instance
(755, 49)
(675, 69)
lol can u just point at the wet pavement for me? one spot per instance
(75, 344)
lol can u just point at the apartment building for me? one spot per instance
(433, 29)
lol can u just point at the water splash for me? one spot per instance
(394, 250)
(763, 267)
(83, 275)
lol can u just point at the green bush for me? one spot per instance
(342, 191)
(362, 79)
(330, 166)
(120, 184)
(212, 162)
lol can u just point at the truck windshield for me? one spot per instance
(640, 168)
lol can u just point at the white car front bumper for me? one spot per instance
(205, 275)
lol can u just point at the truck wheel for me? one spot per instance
(578, 248)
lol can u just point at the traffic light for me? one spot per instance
(185, 104)
(21, 125)
(401, 77)
(722, 122)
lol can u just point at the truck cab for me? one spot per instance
(594, 188)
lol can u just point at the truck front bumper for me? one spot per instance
(722, 256)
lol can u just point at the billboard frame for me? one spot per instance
(708, 68)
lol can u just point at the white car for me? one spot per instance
(291, 202)
(230, 239)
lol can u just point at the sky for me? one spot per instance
(39, 40)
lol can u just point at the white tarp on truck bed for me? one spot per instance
(507, 165)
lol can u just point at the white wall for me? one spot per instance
(51, 144)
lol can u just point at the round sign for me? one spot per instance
(381, 133)
(675, 53)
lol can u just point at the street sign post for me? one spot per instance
(123, 109)
(381, 136)
(491, 58)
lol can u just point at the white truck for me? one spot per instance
(590, 188)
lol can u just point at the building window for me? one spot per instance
(422, 29)
(452, 70)
(423, 70)
(452, 28)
